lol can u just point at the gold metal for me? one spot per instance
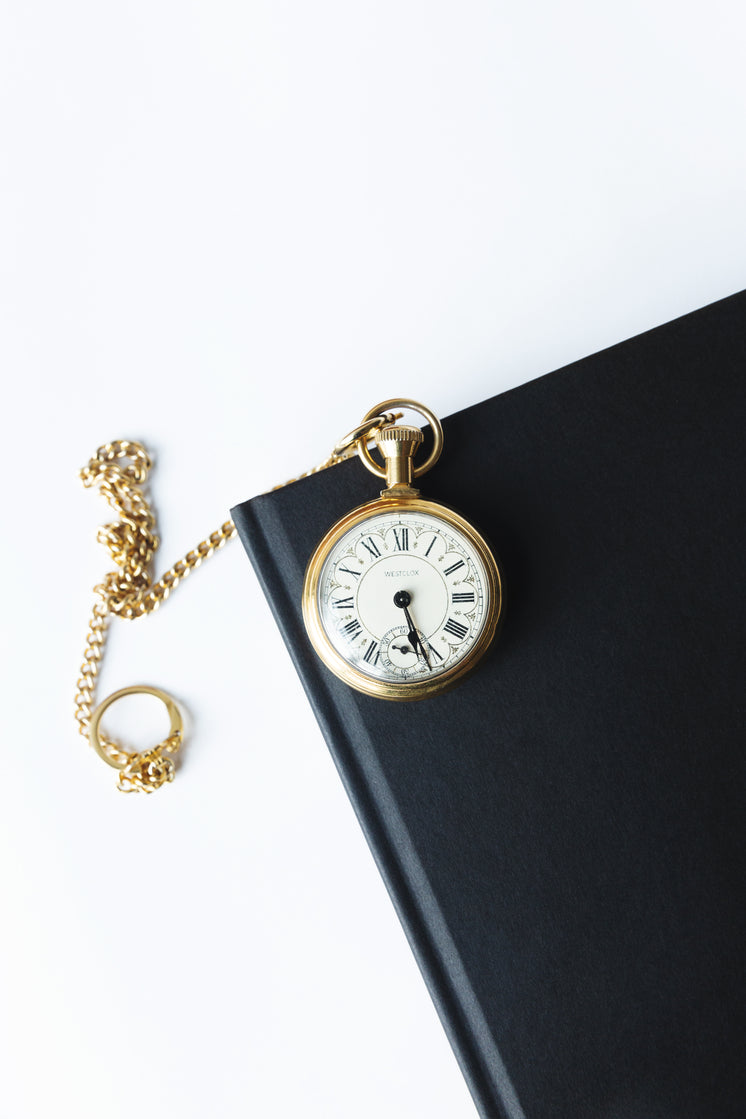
(412, 406)
(120, 470)
(417, 689)
(348, 444)
(142, 771)
(398, 446)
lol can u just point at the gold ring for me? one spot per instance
(413, 406)
(177, 723)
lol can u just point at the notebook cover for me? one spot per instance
(563, 834)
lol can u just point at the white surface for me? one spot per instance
(228, 230)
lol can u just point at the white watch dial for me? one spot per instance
(403, 596)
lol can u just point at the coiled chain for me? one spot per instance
(120, 470)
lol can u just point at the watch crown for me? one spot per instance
(399, 434)
(398, 445)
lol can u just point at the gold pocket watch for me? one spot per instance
(403, 596)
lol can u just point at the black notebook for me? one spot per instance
(563, 834)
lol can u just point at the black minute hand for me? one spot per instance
(402, 599)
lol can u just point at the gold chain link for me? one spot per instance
(120, 470)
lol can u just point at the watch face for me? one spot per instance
(402, 598)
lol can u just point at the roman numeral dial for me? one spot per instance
(455, 629)
(455, 566)
(463, 596)
(424, 558)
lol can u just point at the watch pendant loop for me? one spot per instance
(412, 406)
(372, 423)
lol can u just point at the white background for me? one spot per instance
(228, 229)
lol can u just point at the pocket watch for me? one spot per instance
(403, 596)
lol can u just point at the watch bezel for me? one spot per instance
(336, 662)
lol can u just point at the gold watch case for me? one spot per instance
(393, 503)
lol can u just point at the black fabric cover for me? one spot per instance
(563, 834)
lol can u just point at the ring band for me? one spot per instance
(177, 723)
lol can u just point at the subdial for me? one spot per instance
(397, 651)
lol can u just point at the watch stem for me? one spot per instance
(398, 445)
